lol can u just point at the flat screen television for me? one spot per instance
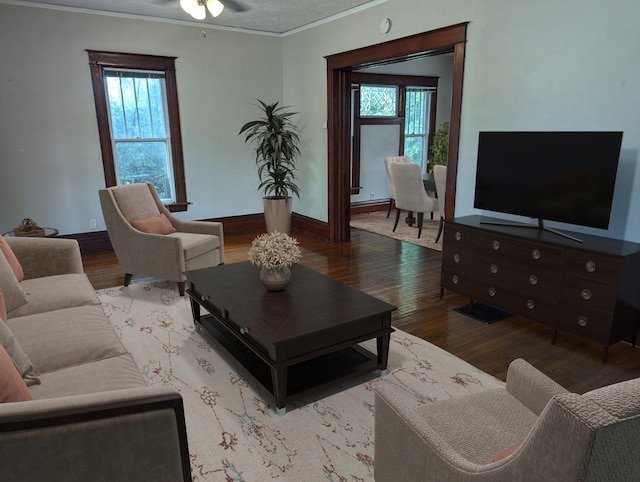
(567, 177)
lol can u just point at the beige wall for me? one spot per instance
(49, 146)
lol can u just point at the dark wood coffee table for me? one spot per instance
(295, 341)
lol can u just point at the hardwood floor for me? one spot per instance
(408, 276)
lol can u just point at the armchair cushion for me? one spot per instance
(3, 307)
(13, 387)
(195, 244)
(14, 295)
(154, 225)
(18, 356)
(11, 258)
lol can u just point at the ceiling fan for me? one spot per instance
(196, 8)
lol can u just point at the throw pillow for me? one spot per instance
(155, 225)
(18, 356)
(506, 452)
(11, 258)
(14, 295)
(3, 307)
(13, 387)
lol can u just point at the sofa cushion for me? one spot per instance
(65, 338)
(11, 258)
(18, 356)
(13, 387)
(14, 294)
(57, 292)
(154, 225)
(195, 244)
(115, 373)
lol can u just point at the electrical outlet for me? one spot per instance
(372, 195)
(93, 224)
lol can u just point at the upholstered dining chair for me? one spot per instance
(387, 162)
(440, 178)
(530, 430)
(410, 193)
(148, 240)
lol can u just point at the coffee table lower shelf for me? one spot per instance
(303, 378)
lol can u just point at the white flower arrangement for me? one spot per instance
(274, 251)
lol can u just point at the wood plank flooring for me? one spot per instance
(408, 276)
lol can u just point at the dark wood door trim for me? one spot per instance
(339, 66)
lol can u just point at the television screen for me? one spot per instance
(556, 176)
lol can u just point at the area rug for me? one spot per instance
(234, 433)
(378, 223)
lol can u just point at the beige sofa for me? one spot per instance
(93, 416)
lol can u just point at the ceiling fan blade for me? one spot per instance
(235, 6)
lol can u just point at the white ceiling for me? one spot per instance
(273, 16)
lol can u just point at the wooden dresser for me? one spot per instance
(589, 289)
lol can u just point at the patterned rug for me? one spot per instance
(233, 432)
(378, 223)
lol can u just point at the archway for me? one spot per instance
(339, 66)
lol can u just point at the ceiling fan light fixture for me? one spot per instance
(215, 7)
(194, 8)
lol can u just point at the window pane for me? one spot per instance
(378, 101)
(145, 162)
(416, 110)
(414, 148)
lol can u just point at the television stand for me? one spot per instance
(540, 226)
(590, 290)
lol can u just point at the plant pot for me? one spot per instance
(277, 214)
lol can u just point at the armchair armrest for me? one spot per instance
(201, 227)
(530, 386)
(132, 434)
(47, 256)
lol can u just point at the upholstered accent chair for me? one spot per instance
(387, 162)
(440, 178)
(186, 245)
(530, 430)
(409, 192)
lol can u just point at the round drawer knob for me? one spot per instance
(458, 235)
(455, 279)
(535, 254)
(244, 330)
(586, 294)
(493, 268)
(496, 245)
(204, 298)
(456, 258)
(492, 291)
(590, 266)
(531, 304)
(533, 279)
(582, 320)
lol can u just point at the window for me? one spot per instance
(416, 124)
(378, 101)
(137, 110)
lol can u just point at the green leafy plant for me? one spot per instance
(276, 150)
(439, 150)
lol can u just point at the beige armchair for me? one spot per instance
(531, 430)
(193, 245)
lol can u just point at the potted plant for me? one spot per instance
(274, 253)
(275, 142)
(439, 150)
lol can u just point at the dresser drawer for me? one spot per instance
(527, 277)
(458, 281)
(591, 324)
(535, 306)
(596, 267)
(520, 253)
(456, 236)
(584, 294)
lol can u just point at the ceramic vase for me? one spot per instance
(275, 279)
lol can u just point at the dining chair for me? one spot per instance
(410, 193)
(440, 177)
(387, 162)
